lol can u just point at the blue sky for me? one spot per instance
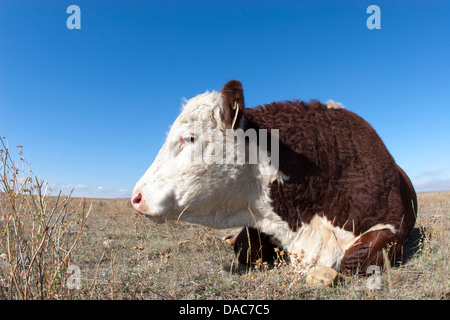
(92, 106)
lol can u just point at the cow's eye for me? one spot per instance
(185, 140)
(188, 139)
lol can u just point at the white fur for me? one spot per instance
(209, 194)
(334, 105)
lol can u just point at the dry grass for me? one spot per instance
(121, 255)
(124, 256)
(37, 235)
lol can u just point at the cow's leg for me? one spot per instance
(251, 245)
(367, 251)
(231, 237)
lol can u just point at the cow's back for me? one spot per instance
(337, 166)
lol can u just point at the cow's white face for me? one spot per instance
(184, 182)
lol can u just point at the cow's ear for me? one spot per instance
(233, 103)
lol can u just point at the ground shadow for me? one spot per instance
(412, 245)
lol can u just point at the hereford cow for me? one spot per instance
(336, 197)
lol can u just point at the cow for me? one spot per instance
(335, 197)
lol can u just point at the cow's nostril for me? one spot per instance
(136, 200)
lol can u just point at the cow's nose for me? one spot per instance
(136, 200)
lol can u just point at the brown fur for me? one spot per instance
(232, 92)
(338, 167)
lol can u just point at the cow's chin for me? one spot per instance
(157, 219)
(160, 216)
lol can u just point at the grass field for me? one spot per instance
(68, 248)
(121, 255)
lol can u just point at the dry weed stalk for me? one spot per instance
(37, 233)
